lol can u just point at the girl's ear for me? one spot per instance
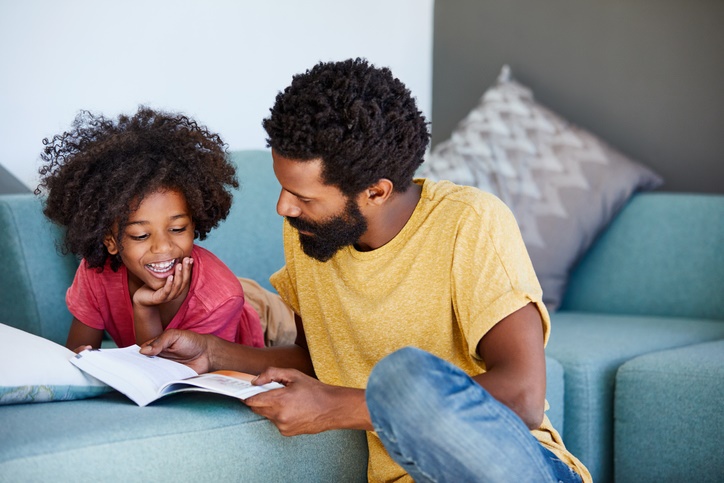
(110, 242)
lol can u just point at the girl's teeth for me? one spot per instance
(161, 267)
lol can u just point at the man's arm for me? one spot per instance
(514, 357)
(515, 361)
(512, 350)
(205, 352)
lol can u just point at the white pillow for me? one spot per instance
(33, 369)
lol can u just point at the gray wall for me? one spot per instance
(645, 75)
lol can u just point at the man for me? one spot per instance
(416, 304)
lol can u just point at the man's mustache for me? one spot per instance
(302, 225)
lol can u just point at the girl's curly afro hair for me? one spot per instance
(97, 174)
(359, 119)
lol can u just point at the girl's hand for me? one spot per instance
(175, 286)
(147, 321)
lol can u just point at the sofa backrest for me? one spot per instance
(35, 276)
(662, 255)
(249, 241)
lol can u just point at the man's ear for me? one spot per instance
(378, 193)
(111, 245)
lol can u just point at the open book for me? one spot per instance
(145, 379)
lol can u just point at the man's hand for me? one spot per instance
(182, 346)
(308, 406)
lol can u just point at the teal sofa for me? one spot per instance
(649, 292)
(191, 437)
(646, 292)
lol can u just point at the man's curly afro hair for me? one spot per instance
(97, 174)
(360, 120)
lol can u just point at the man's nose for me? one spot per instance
(287, 205)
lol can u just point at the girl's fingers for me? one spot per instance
(167, 288)
(185, 278)
(181, 279)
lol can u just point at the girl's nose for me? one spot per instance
(161, 244)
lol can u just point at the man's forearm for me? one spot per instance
(228, 355)
(353, 410)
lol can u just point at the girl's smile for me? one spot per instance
(163, 269)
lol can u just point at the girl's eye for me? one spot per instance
(178, 230)
(138, 237)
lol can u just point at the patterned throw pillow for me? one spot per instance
(563, 184)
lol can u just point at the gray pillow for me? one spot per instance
(563, 184)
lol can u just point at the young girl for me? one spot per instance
(133, 195)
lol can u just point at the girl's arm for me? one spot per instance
(80, 336)
(146, 322)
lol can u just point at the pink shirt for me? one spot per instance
(214, 304)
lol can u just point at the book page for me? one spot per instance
(137, 376)
(230, 383)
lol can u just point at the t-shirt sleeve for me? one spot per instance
(81, 299)
(492, 275)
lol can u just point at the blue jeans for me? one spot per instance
(440, 425)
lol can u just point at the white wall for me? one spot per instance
(219, 61)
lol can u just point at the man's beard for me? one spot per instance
(328, 237)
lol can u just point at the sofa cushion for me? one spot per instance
(563, 183)
(661, 256)
(679, 440)
(184, 437)
(38, 370)
(591, 347)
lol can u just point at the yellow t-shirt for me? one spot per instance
(457, 268)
